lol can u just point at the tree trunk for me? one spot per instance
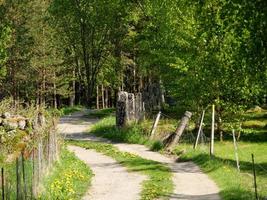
(72, 97)
(219, 122)
(97, 98)
(54, 92)
(103, 96)
(79, 82)
(106, 97)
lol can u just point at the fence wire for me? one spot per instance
(21, 177)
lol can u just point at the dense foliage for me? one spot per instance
(199, 52)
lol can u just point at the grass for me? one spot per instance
(69, 110)
(106, 128)
(10, 179)
(159, 183)
(101, 113)
(69, 179)
(135, 133)
(222, 167)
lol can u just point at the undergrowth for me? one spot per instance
(69, 179)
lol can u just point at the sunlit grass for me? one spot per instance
(69, 179)
(222, 167)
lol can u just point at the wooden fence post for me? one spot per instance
(236, 153)
(34, 178)
(3, 183)
(212, 131)
(254, 175)
(17, 179)
(199, 129)
(121, 109)
(179, 131)
(24, 175)
(154, 127)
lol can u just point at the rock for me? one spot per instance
(22, 124)
(10, 124)
(6, 115)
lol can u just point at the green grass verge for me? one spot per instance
(132, 134)
(101, 113)
(222, 168)
(106, 128)
(69, 179)
(159, 183)
(69, 110)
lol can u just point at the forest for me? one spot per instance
(190, 53)
(204, 58)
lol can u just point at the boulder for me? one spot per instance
(10, 124)
(6, 115)
(22, 124)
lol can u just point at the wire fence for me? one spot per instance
(23, 171)
(247, 165)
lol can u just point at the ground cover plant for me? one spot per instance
(69, 179)
(159, 183)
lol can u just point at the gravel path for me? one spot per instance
(111, 181)
(190, 182)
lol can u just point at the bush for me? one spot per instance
(157, 146)
(253, 124)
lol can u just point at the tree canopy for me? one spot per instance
(196, 52)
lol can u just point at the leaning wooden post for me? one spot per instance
(212, 131)
(154, 127)
(236, 153)
(200, 128)
(179, 131)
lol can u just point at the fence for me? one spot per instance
(23, 170)
(251, 172)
